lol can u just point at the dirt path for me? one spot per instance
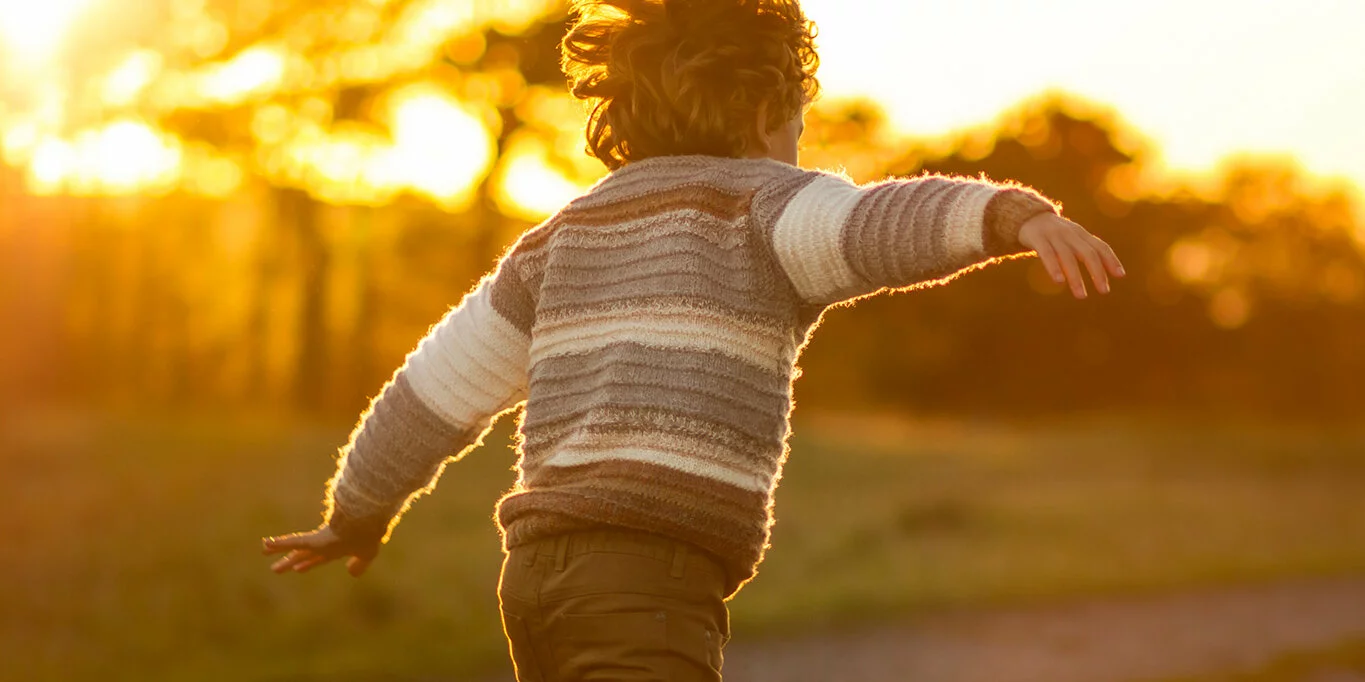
(1114, 640)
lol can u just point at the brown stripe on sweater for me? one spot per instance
(771, 201)
(689, 401)
(680, 489)
(929, 226)
(537, 415)
(729, 247)
(668, 254)
(533, 242)
(683, 224)
(894, 235)
(694, 267)
(540, 433)
(511, 300)
(694, 381)
(866, 227)
(567, 290)
(610, 390)
(638, 361)
(718, 202)
(401, 446)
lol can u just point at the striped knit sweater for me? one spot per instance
(652, 328)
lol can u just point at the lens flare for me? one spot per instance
(33, 31)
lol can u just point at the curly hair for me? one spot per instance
(668, 77)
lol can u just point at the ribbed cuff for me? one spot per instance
(357, 530)
(1006, 212)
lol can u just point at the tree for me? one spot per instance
(310, 100)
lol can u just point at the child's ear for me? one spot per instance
(762, 136)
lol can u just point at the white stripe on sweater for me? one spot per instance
(634, 232)
(808, 239)
(666, 326)
(472, 364)
(689, 465)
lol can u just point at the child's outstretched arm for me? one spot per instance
(838, 241)
(438, 405)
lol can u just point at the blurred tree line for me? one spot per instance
(1244, 294)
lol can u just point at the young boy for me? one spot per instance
(651, 328)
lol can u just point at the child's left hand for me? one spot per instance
(317, 547)
(1060, 243)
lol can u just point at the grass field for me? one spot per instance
(1342, 663)
(130, 545)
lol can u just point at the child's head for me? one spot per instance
(716, 77)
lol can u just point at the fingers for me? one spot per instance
(300, 561)
(294, 559)
(1048, 256)
(1111, 261)
(284, 543)
(311, 562)
(306, 551)
(1068, 251)
(1089, 254)
(1066, 259)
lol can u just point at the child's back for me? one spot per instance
(652, 328)
(662, 315)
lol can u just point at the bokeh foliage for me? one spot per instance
(275, 273)
(1246, 292)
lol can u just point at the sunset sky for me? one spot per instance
(1201, 78)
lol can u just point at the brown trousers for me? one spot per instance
(613, 604)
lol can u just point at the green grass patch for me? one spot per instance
(883, 515)
(131, 545)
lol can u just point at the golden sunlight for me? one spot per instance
(257, 70)
(34, 30)
(527, 185)
(123, 157)
(127, 81)
(441, 148)
(435, 147)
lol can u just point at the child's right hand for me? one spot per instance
(1061, 243)
(316, 547)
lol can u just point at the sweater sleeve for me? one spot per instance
(837, 241)
(470, 367)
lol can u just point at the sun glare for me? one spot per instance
(527, 186)
(434, 147)
(123, 157)
(33, 31)
(440, 148)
